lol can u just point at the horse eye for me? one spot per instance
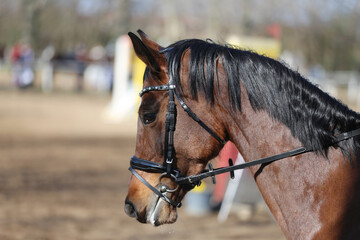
(149, 118)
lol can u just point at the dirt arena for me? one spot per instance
(63, 175)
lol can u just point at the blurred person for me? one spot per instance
(22, 59)
(99, 74)
(81, 60)
(228, 151)
(2, 55)
(15, 56)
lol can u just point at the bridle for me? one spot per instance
(168, 170)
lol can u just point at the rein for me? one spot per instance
(294, 152)
(188, 182)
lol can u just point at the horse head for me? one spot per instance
(189, 152)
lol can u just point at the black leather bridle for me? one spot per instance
(167, 169)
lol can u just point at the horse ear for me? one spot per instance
(148, 42)
(151, 57)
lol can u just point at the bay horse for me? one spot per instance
(265, 109)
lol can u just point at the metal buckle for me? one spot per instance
(169, 161)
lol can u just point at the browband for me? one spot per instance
(165, 87)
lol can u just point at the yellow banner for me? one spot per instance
(266, 46)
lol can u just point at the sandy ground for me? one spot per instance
(63, 175)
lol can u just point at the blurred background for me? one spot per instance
(69, 85)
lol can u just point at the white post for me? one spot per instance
(123, 99)
(47, 68)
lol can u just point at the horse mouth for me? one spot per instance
(161, 213)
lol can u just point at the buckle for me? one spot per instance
(169, 161)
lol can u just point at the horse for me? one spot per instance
(265, 109)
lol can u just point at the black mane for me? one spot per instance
(312, 115)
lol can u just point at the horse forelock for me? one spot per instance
(313, 117)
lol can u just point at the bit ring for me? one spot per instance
(163, 188)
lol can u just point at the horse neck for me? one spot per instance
(297, 190)
(256, 134)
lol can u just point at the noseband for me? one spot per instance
(168, 170)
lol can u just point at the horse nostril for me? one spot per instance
(130, 209)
